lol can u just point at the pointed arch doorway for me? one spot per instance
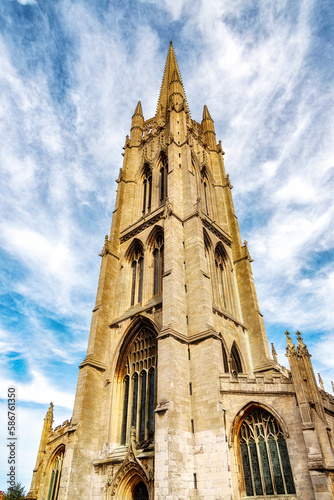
(141, 492)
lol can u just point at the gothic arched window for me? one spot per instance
(205, 192)
(147, 190)
(137, 266)
(163, 179)
(225, 362)
(158, 264)
(264, 456)
(138, 387)
(224, 280)
(55, 475)
(236, 366)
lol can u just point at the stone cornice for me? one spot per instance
(94, 363)
(216, 230)
(227, 315)
(142, 224)
(191, 339)
(137, 309)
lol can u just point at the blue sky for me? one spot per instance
(71, 73)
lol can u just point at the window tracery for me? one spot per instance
(264, 456)
(138, 389)
(55, 475)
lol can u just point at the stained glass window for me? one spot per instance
(55, 476)
(138, 390)
(264, 456)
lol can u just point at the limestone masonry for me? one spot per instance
(178, 396)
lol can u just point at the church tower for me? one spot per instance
(178, 396)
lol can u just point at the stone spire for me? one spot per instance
(274, 353)
(290, 347)
(171, 84)
(37, 475)
(137, 124)
(302, 348)
(208, 129)
(321, 382)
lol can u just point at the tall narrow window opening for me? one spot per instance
(236, 366)
(158, 265)
(206, 198)
(137, 266)
(225, 362)
(125, 409)
(264, 456)
(163, 179)
(147, 190)
(142, 420)
(224, 280)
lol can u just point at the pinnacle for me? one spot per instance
(206, 114)
(138, 110)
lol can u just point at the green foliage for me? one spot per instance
(15, 493)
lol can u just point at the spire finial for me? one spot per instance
(274, 353)
(290, 347)
(302, 349)
(49, 414)
(321, 382)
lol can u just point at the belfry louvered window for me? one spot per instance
(264, 456)
(147, 191)
(55, 476)
(137, 267)
(163, 179)
(158, 264)
(138, 388)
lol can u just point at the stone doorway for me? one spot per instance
(141, 492)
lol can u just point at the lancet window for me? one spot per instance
(225, 362)
(147, 190)
(139, 387)
(158, 264)
(224, 280)
(55, 475)
(205, 193)
(236, 366)
(163, 179)
(264, 456)
(137, 266)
